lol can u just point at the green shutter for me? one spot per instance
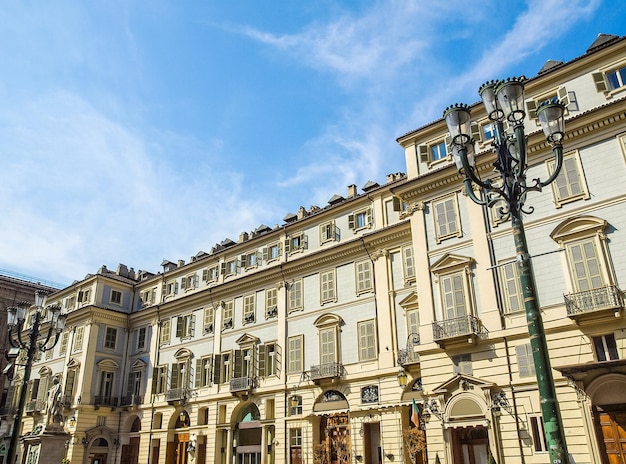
(262, 355)
(175, 375)
(238, 369)
(217, 369)
(180, 326)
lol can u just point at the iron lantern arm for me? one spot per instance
(557, 149)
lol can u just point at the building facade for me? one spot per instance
(288, 344)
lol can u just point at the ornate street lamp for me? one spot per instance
(504, 102)
(18, 322)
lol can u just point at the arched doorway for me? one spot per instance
(608, 398)
(334, 433)
(470, 445)
(248, 435)
(177, 449)
(130, 452)
(98, 451)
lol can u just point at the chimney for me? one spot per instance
(351, 190)
(301, 212)
(243, 237)
(181, 262)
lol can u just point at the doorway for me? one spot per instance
(470, 445)
(371, 443)
(610, 427)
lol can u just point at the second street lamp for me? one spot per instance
(17, 322)
(504, 102)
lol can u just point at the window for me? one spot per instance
(367, 340)
(141, 338)
(169, 289)
(189, 282)
(329, 232)
(63, 345)
(296, 243)
(159, 380)
(250, 260)
(229, 268)
(180, 373)
(78, 338)
(228, 315)
(453, 295)
(70, 302)
(165, 332)
(462, 364)
(271, 303)
(210, 274)
(413, 321)
(584, 265)
(209, 315)
(408, 264)
(539, 434)
(269, 359)
(185, 326)
(204, 368)
(364, 281)
(116, 297)
(611, 79)
(70, 384)
(295, 446)
(360, 219)
(434, 151)
(446, 216)
(133, 387)
(248, 309)
(328, 345)
(511, 288)
(328, 289)
(525, 361)
(110, 338)
(561, 95)
(570, 184)
(605, 347)
(84, 296)
(369, 394)
(272, 252)
(296, 355)
(106, 387)
(295, 295)
(223, 368)
(148, 297)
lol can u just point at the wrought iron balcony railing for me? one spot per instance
(132, 400)
(35, 406)
(327, 371)
(410, 354)
(105, 401)
(458, 327)
(177, 394)
(597, 299)
(242, 384)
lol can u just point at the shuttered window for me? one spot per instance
(525, 361)
(446, 218)
(367, 340)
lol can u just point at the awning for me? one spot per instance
(608, 366)
(461, 423)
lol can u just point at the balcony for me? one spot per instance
(410, 355)
(105, 401)
(242, 384)
(465, 329)
(35, 407)
(133, 400)
(595, 303)
(176, 395)
(329, 371)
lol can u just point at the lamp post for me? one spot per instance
(504, 102)
(16, 317)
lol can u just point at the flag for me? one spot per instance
(415, 414)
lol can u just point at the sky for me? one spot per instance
(137, 131)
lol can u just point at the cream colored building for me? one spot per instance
(287, 343)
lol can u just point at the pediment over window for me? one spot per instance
(450, 261)
(328, 319)
(108, 365)
(460, 383)
(138, 364)
(247, 339)
(581, 225)
(183, 353)
(45, 371)
(410, 302)
(73, 364)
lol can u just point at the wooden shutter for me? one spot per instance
(397, 204)
(129, 385)
(223, 268)
(175, 375)
(370, 216)
(183, 283)
(180, 326)
(238, 369)
(191, 325)
(563, 96)
(244, 261)
(217, 369)
(69, 382)
(531, 109)
(599, 81)
(475, 131)
(351, 222)
(265, 254)
(524, 360)
(422, 151)
(288, 245)
(278, 359)
(262, 363)
(205, 275)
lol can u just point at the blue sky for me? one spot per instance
(132, 131)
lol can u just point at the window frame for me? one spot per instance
(440, 235)
(296, 243)
(210, 274)
(505, 282)
(141, 346)
(110, 338)
(248, 315)
(208, 320)
(329, 232)
(354, 223)
(367, 342)
(573, 159)
(113, 297)
(425, 151)
(295, 297)
(602, 82)
(165, 334)
(328, 286)
(364, 277)
(610, 350)
(79, 334)
(525, 361)
(408, 264)
(228, 321)
(271, 303)
(295, 354)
